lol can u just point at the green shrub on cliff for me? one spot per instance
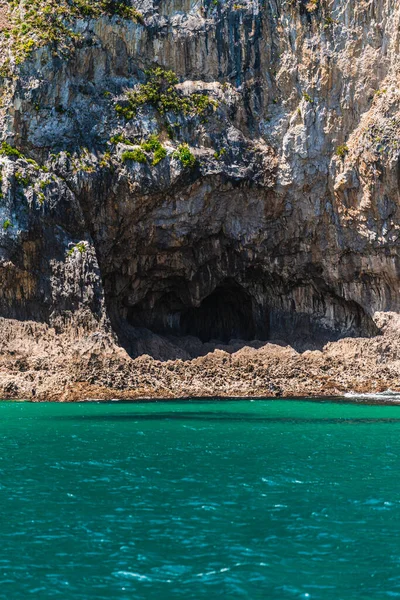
(154, 145)
(219, 153)
(106, 161)
(119, 138)
(342, 150)
(79, 247)
(161, 92)
(137, 155)
(21, 180)
(151, 145)
(35, 23)
(7, 223)
(186, 157)
(159, 155)
(8, 150)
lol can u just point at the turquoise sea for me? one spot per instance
(264, 499)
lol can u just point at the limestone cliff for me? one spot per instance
(182, 173)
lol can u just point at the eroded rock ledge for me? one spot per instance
(39, 364)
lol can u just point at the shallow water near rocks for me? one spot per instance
(226, 499)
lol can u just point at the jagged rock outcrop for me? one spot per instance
(254, 197)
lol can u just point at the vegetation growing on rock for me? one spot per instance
(8, 150)
(79, 247)
(150, 146)
(159, 154)
(342, 150)
(34, 23)
(154, 145)
(119, 138)
(184, 154)
(21, 179)
(161, 92)
(218, 154)
(136, 155)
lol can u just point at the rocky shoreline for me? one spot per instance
(38, 364)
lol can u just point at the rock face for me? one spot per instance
(282, 224)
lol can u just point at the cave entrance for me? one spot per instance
(227, 313)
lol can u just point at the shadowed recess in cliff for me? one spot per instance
(225, 314)
(229, 312)
(304, 315)
(311, 315)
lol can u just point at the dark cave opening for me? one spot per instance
(304, 316)
(229, 312)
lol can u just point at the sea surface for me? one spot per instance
(264, 499)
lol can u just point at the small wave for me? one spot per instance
(131, 575)
(386, 395)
